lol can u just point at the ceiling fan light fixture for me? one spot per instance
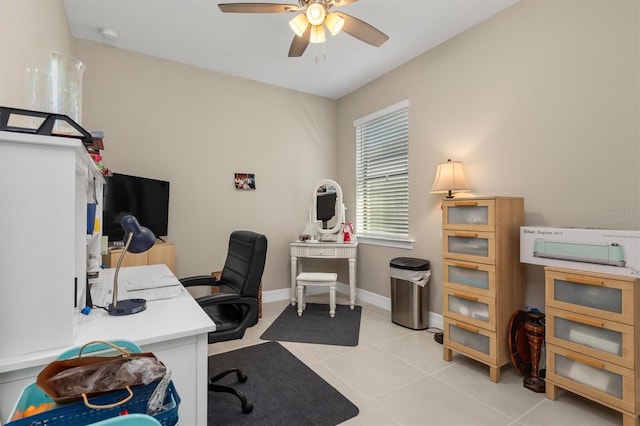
(316, 14)
(317, 34)
(334, 23)
(299, 24)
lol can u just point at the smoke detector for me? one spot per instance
(108, 33)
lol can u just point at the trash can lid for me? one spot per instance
(410, 263)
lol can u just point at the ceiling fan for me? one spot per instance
(313, 16)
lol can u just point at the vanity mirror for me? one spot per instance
(327, 207)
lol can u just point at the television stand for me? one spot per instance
(160, 253)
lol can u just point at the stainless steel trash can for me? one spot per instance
(409, 292)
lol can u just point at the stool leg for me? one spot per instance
(332, 301)
(300, 299)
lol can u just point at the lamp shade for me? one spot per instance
(334, 23)
(317, 34)
(299, 24)
(316, 13)
(138, 239)
(142, 238)
(450, 178)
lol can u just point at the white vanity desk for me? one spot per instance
(175, 330)
(323, 250)
(327, 214)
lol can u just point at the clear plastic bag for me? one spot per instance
(420, 278)
(111, 375)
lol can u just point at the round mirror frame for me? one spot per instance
(339, 215)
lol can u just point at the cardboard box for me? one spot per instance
(615, 252)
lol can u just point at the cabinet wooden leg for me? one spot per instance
(551, 391)
(494, 374)
(629, 420)
(447, 354)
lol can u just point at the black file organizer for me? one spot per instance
(46, 127)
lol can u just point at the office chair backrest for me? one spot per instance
(245, 262)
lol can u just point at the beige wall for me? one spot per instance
(196, 128)
(540, 101)
(27, 27)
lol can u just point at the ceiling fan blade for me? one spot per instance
(339, 3)
(299, 44)
(362, 31)
(257, 7)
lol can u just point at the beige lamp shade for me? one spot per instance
(334, 23)
(299, 24)
(316, 14)
(450, 178)
(317, 34)
(317, 17)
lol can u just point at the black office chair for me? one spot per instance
(235, 307)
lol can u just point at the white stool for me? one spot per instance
(315, 279)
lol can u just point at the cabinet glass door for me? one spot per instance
(470, 308)
(470, 246)
(597, 337)
(474, 341)
(591, 295)
(469, 214)
(597, 378)
(473, 277)
(606, 382)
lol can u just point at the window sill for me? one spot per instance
(386, 242)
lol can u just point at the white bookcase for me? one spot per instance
(45, 184)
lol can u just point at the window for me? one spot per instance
(382, 175)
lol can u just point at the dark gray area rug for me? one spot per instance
(316, 326)
(282, 389)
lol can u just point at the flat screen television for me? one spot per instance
(146, 199)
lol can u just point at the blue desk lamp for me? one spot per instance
(138, 239)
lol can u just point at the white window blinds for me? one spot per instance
(382, 173)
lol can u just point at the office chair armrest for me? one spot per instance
(198, 280)
(219, 299)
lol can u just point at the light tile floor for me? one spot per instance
(396, 376)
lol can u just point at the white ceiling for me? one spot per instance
(255, 46)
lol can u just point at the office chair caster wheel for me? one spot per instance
(247, 408)
(242, 378)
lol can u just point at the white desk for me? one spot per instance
(175, 330)
(299, 249)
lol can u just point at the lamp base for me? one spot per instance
(127, 307)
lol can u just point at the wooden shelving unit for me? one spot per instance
(483, 277)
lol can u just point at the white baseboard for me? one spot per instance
(276, 295)
(435, 320)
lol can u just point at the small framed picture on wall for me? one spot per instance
(245, 181)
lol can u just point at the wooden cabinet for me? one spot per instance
(483, 278)
(160, 253)
(592, 338)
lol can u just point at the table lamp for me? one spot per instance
(138, 239)
(450, 178)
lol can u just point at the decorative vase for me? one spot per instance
(535, 335)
